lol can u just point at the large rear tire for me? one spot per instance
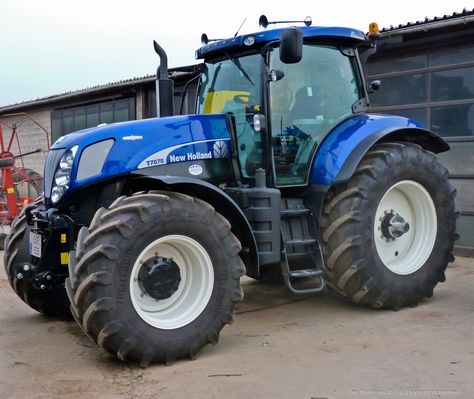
(388, 233)
(155, 277)
(51, 302)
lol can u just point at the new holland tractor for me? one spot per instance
(146, 227)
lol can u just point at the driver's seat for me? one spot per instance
(307, 103)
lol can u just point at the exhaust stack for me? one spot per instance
(164, 85)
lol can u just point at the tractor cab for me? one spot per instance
(285, 90)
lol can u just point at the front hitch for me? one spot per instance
(51, 238)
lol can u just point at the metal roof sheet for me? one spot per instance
(175, 73)
(439, 19)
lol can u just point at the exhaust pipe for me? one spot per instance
(164, 85)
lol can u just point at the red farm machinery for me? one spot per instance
(20, 184)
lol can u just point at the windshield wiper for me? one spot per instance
(237, 63)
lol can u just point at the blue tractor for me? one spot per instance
(146, 227)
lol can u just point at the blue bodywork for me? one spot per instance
(338, 145)
(163, 141)
(152, 142)
(262, 38)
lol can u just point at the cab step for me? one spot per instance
(302, 259)
(301, 241)
(305, 273)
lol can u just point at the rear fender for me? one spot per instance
(344, 147)
(221, 202)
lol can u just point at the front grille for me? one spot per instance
(50, 165)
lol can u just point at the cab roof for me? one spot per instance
(261, 38)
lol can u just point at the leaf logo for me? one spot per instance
(220, 149)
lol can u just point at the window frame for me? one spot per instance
(57, 115)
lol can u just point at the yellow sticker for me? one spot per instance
(10, 190)
(216, 100)
(63, 238)
(64, 258)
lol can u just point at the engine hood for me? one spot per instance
(149, 143)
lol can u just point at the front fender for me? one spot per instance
(214, 196)
(344, 147)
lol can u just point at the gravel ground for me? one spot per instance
(280, 346)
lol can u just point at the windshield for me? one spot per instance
(314, 95)
(225, 82)
(234, 86)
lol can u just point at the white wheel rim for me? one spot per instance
(408, 253)
(193, 292)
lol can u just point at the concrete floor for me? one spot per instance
(280, 346)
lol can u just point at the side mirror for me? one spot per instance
(291, 46)
(374, 86)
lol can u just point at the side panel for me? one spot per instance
(341, 151)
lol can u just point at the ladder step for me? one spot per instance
(298, 255)
(305, 273)
(301, 241)
(291, 213)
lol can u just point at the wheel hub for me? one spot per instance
(159, 277)
(393, 225)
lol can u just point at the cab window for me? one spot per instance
(312, 98)
(234, 86)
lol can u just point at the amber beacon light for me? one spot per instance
(374, 30)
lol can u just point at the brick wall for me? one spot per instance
(30, 137)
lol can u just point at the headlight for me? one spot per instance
(62, 177)
(56, 193)
(67, 159)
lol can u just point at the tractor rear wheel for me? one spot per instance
(155, 277)
(51, 302)
(388, 233)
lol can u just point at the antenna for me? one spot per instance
(263, 21)
(240, 27)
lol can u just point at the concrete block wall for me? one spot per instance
(30, 138)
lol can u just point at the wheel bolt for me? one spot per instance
(142, 295)
(48, 277)
(19, 276)
(42, 287)
(26, 267)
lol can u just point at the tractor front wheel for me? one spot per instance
(155, 277)
(388, 233)
(51, 302)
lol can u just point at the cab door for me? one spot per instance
(313, 96)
